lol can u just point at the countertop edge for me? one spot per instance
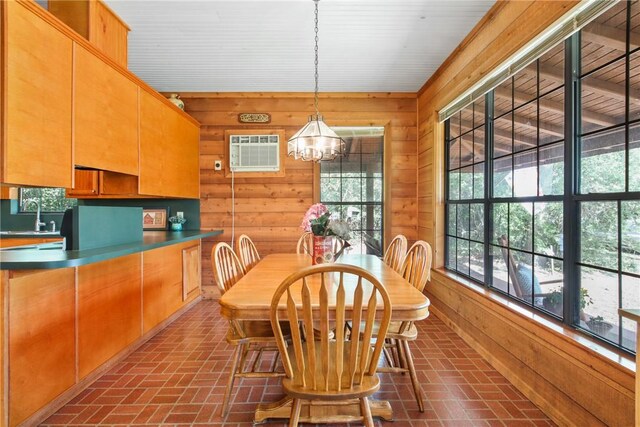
(50, 259)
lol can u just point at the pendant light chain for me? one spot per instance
(316, 61)
(315, 141)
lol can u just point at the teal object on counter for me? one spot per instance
(176, 226)
(100, 226)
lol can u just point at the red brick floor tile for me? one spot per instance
(178, 378)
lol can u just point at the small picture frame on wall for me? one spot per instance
(154, 218)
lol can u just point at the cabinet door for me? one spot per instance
(108, 32)
(169, 151)
(190, 272)
(109, 310)
(105, 116)
(154, 160)
(162, 284)
(41, 338)
(187, 141)
(37, 143)
(86, 184)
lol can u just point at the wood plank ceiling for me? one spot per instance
(267, 46)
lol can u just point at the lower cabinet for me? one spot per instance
(163, 287)
(109, 316)
(42, 359)
(65, 323)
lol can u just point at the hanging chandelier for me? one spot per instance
(316, 141)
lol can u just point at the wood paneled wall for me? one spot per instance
(270, 210)
(573, 384)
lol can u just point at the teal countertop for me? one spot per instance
(50, 257)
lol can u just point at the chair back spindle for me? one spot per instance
(247, 252)
(396, 252)
(227, 267)
(305, 244)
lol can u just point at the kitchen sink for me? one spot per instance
(40, 247)
(29, 233)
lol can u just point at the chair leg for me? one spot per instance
(365, 410)
(296, 405)
(412, 372)
(237, 355)
(402, 357)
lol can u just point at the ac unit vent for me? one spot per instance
(254, 153)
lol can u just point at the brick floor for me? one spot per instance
(178, 378)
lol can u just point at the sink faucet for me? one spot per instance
(38, 223)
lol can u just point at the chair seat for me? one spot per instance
(255, 331)
(409, 334)
(294, 388)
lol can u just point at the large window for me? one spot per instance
(552, 217)
(352, 186)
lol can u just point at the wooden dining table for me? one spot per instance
(250, 299)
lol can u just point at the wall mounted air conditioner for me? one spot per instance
(254, 153)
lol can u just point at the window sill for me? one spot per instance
(569, 334)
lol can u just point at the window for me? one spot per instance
(49, 200)
(608, 178)
(352, 185)
(551, 217)
(466, 191)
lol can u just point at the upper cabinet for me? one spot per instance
(169, 151)
(67, 104)
(97, 23)
(37, 87)
(105, 116)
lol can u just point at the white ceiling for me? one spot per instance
(267, 46)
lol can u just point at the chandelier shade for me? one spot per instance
(316, 141)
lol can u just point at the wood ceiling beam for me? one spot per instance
(602, 87)
(556, 107)
(606, 35)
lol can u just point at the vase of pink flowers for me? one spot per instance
(330, 235)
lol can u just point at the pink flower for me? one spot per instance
(314, 212)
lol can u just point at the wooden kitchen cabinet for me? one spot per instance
(94, 183)
(37, 87)
(96, 22)
(169, 151)
(165, 279)
(105, 116)
(109, 310)
(42, 332)
(191, 276)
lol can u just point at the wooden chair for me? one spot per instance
(395, 252)
(247, 336)
(247, 252)
(305, 244)
(416, 269)
(338, 368)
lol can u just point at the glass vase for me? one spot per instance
(322, 249)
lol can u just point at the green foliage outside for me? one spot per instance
(50, 199)
(538, 226)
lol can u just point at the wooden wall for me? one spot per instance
(270, 210)
(572, 383)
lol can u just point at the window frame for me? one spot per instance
(570, 199)
(384, 202)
